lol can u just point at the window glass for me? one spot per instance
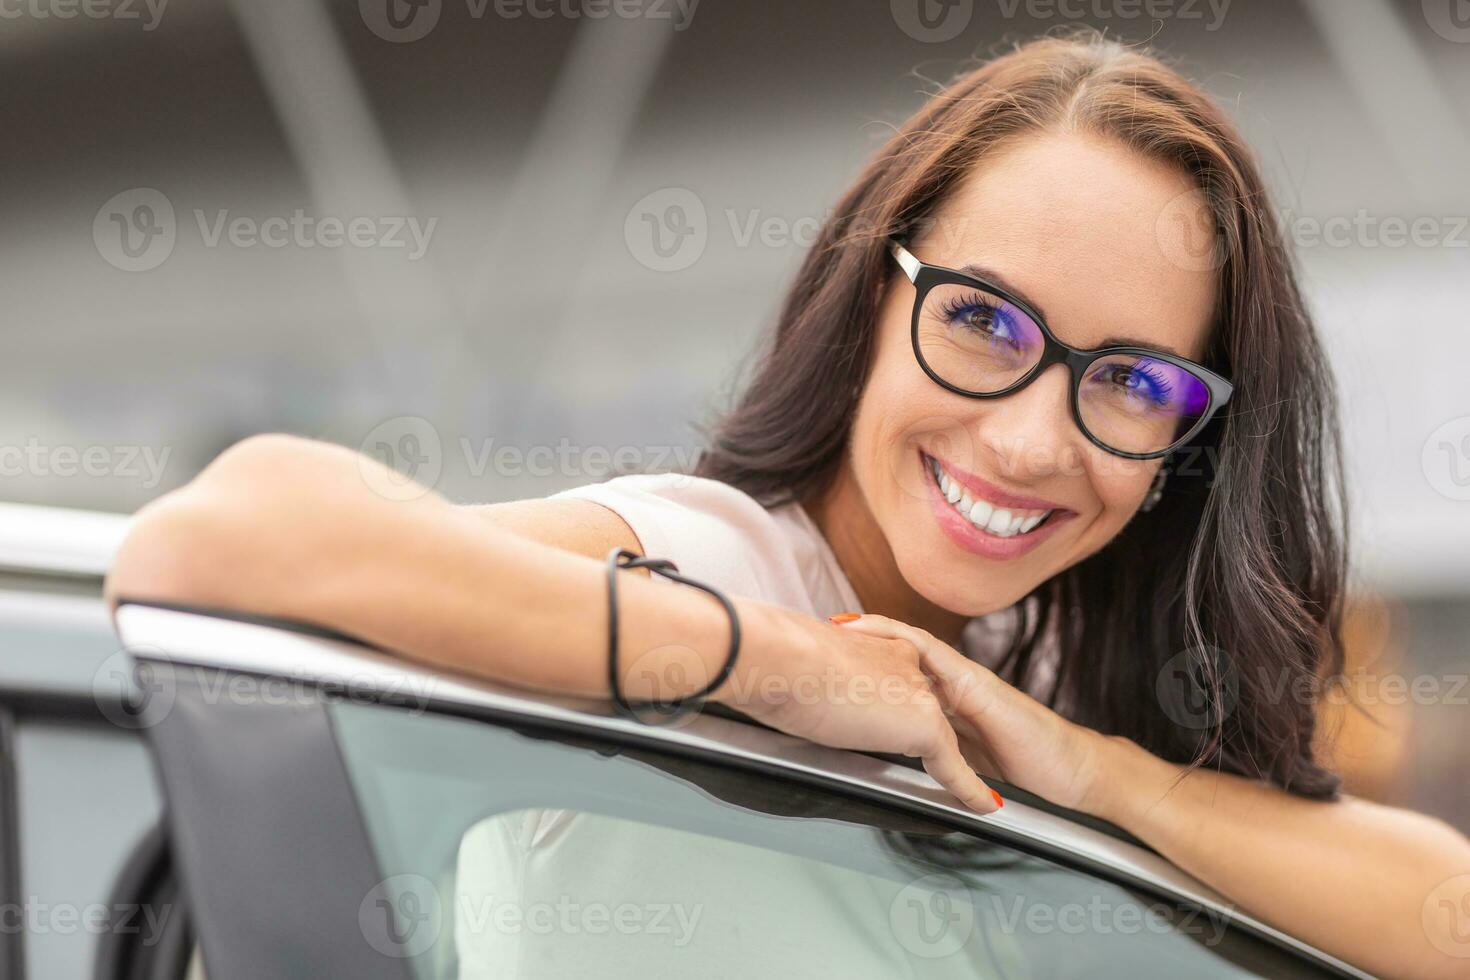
(515, 854)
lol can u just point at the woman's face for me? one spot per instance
(1073, 225)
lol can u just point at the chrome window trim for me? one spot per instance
(58, 541)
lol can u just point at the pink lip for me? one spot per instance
(969, 537)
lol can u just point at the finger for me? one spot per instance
(948, 767)
(966, 687)
(883, 626)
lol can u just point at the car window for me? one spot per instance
(84, 788)
(515, 853)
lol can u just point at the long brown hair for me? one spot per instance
(1235, 580)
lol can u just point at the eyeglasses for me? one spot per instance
(978, 340)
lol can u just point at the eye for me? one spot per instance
(978, 315)
(1137, 381)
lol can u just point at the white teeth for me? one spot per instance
(999, 521)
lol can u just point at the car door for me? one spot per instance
(335, 812)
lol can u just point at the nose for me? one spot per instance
(1029, 434)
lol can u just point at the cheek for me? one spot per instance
(900, 409)
(1120, 486)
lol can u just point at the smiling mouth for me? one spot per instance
(991, 518)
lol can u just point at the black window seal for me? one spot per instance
(12, 941)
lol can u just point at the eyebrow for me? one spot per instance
(990, 275)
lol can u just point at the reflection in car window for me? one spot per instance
(509, 854)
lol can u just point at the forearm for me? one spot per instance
(305, 539)
(1361, 881)
(531, 615)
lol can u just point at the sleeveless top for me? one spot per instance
(720, 535)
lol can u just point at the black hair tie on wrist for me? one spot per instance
(658, 710)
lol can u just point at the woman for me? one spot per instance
(927, 441)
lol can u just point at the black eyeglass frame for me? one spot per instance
(925, 277)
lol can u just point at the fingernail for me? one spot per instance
(845, 617)
(998, 801)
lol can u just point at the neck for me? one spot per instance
(845, 520)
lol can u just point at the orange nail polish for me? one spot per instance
(998, 801)
(845, 617)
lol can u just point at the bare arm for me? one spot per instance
(515, 592)
(1385, 888)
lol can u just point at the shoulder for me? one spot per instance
(712, 531)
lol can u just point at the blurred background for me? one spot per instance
(511, 245)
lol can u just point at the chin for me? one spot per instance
(960, 587)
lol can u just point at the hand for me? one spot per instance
(851, 690)
(1003, 732)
